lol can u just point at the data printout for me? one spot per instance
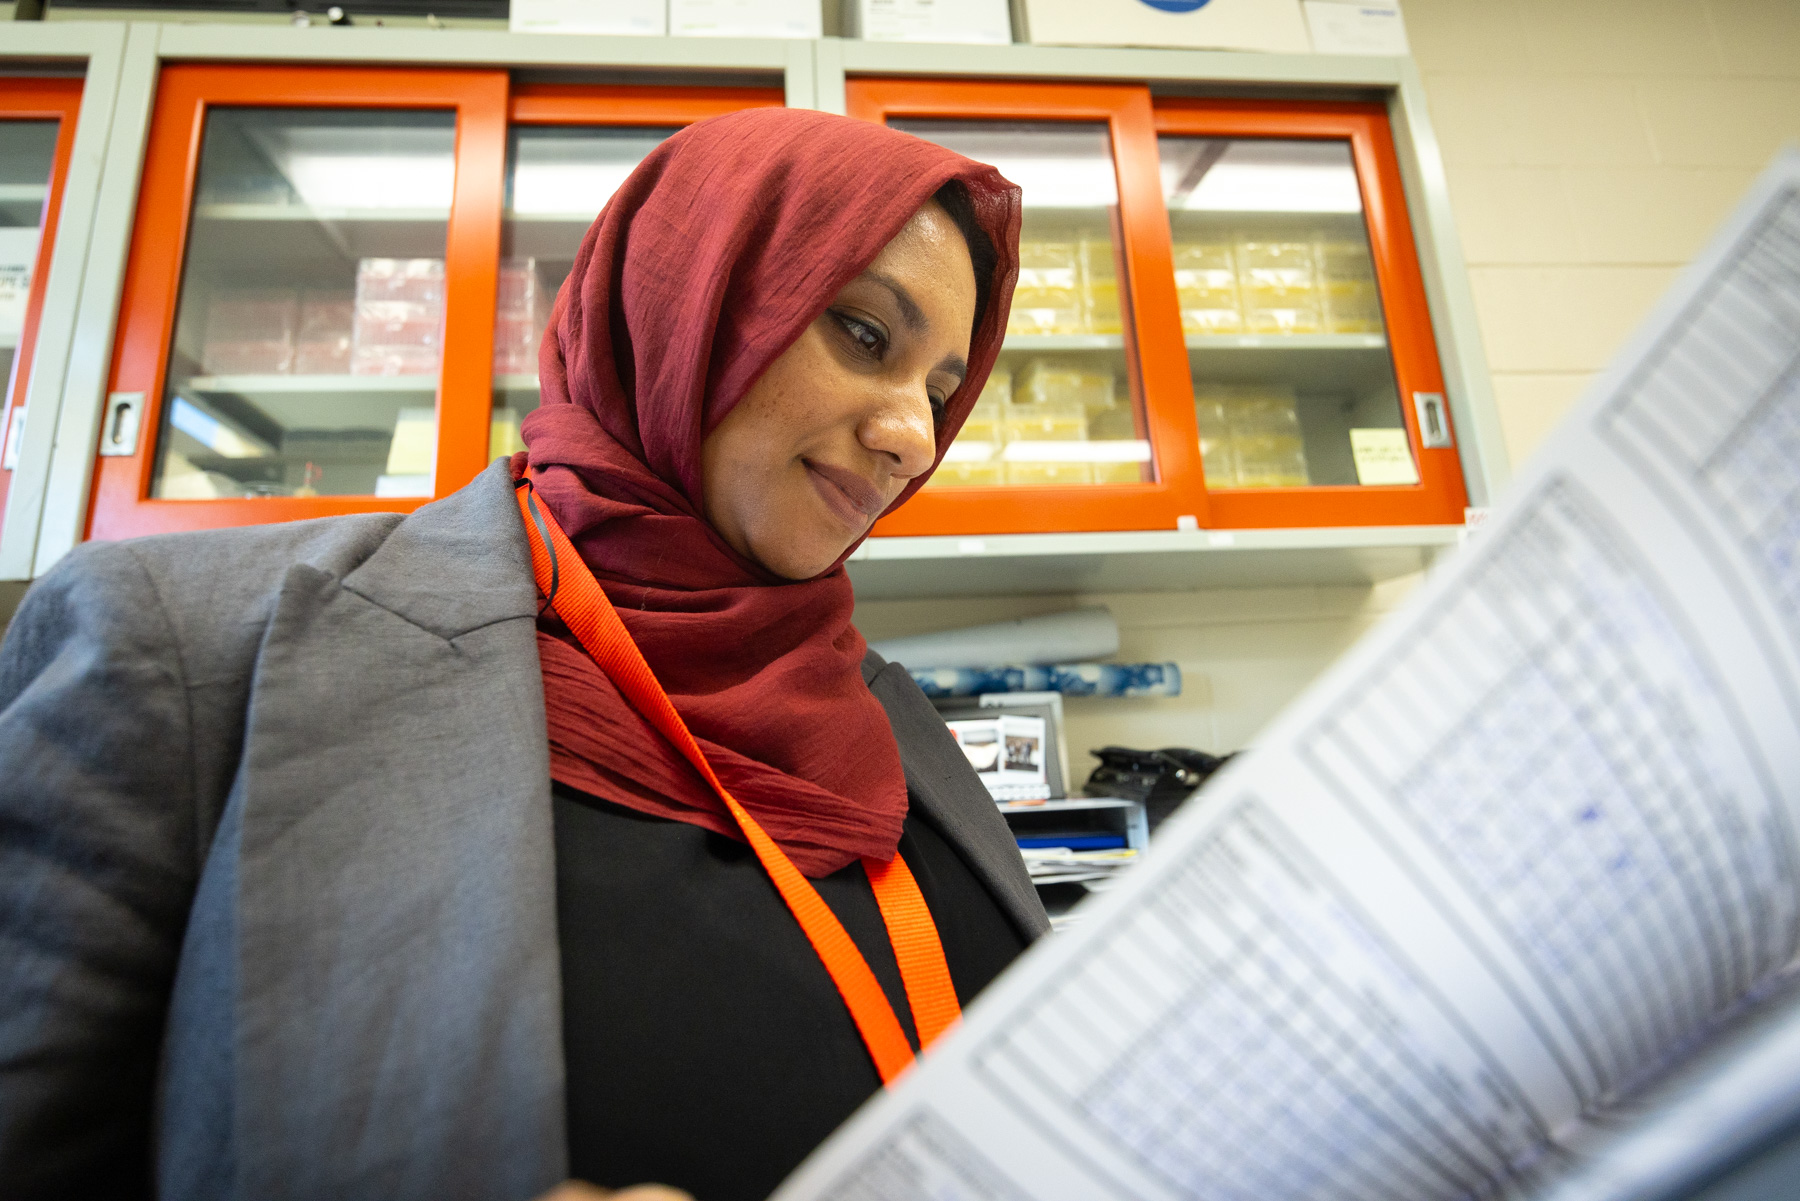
(1481, 904)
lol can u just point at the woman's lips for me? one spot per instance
(851, 497)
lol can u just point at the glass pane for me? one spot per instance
(1061, 407)
(1293, 382)
(305, 355)
(558, 177)
(27, 153)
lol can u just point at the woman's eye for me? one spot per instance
(867, 338)
(939, 405)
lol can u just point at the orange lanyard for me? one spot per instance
(572, 590)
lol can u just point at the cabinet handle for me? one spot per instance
(124, 411)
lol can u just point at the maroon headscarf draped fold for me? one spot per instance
(711, 259)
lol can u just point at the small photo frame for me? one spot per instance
(1011, 752)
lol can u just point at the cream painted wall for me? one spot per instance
(1591, 147)
(1244, 653)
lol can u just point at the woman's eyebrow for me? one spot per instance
(910, 312)
(954, 364)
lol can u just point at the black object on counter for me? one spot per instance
(1160, 779)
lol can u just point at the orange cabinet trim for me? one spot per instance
(1154, 342)
(56, 100)
(1153, 320)
(485, 104)
(580, 104)
(1440, 497)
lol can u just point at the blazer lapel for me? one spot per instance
(399, 989)
(944, 788)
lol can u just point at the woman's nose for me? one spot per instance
(903, 429)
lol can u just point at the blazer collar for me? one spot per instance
(945, 791)
(477, 530)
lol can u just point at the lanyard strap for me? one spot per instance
(579, 600)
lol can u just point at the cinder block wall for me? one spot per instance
(1591, 147)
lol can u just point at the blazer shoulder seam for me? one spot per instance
(181, 675)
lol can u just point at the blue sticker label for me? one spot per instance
(1176, 6)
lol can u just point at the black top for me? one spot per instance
(707, 1046)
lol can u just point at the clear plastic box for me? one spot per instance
(1049, 381)
(1048, 297)
(250, 331)
(322, 346)
(1250, 436)
(1279, 287)
(1206, 287)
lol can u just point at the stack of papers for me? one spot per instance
(1060, 865)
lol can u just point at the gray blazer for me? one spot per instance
(277, 887)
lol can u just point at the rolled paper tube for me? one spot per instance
(1070, 679)
(1069, 637)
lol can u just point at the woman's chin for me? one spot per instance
(801, 562)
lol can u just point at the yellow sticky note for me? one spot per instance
(1382, 457)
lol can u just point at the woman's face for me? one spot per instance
(832, 432)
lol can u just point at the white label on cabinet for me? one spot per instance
(642, 17)
(18, 251)
(1339, 28)
(746, 18)
(935, 20)
(1382, 457)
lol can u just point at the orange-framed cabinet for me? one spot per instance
(37, 137)
(1069, 434)
(338, 277)
(1220, 320)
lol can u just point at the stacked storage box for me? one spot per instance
(1266, 285)
(520, 315)
(250, 331)
(399, 318)
(1066, 287)
(1250, 436)
(322, 346)
(278, 331)
(1048, 424)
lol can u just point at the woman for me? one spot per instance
(289, 903)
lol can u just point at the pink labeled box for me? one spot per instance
(397, 324)
(250, 332)
(521, 313)
(420, 281)
(322, 346)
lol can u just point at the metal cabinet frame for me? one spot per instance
(48, 505)
(70, 354)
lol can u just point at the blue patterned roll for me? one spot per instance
(1070, 679)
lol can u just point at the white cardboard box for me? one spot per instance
(639, 17)
(1192, 24)
(746, 18)
(1355, 28)
(981, 21)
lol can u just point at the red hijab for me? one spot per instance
(711, 259)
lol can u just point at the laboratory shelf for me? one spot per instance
(300, 212)
(312, 385)
(898, 568)
(1286, 342)
(1030, 342)
(1075, 802)
(153, 219)
(268, 406)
